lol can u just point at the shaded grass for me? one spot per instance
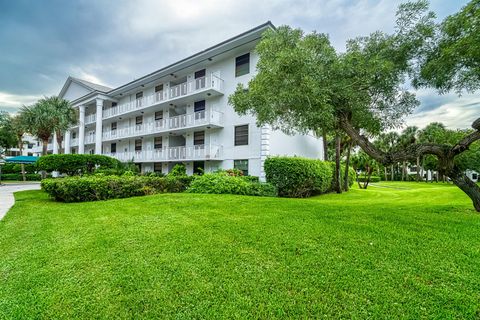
(410, 250)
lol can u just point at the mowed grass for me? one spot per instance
(396, 250)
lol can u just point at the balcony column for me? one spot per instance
(67, 142)
(55, 144)
(81, 130)
(98, 127)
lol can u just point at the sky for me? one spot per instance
(114, 42)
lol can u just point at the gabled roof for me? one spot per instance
(84, 83)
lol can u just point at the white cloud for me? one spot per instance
(10, 101)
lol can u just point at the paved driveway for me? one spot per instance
(6, 194)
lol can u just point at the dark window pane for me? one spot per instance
(241, 135)
(157, 167)
(114, 104)
(159, 88)
(139, 95)
(199, 138)
(242, 65)
(113, 148)
(158, 115)
(200, 74)
(139, 120)
(138, 145)
(241, 165)
(198, 167)
(157, 143)
(113, 126)
(199, 105)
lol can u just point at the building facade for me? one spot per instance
(180, 114)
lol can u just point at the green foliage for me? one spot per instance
(298, 177)
(363, 178)
(18, 176)
(17, 168)
(224, 183)
(76, 164)
(8, 139)
(452, 60)
(93, 188)
(178, 170)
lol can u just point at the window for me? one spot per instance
(158, 115)
(242, 65)
(200, 79)
(198, 167)
(138, 145)
(159, 88)
(138, 120)
(157, 167)
(199, 106)
(139, 95)
(157, 143)
(199, 138)
(114, 104)
(113, 148)
(113, 126)
(241, 135)
(74, 135)
(474, 176)
(241, 165)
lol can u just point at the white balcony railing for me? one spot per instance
(90, 138)
(198, 152)
(171, 123)
(74, 142)
(183, 89)
(91, 118)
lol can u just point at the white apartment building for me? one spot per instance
(180, 114)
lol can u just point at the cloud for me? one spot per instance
(456, 114)
(11, 102)
(111, 43)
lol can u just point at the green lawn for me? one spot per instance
(402, 250)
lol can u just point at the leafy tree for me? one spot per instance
(303, 84)
(451, 61)
(7, 137)
(63, 114)
(362, 162)
(19, 128)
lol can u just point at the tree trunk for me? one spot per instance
(403, 170)
(423, 170)
(44, 147)
(59, 141)
(20, 147)
(392, 173)
(418, 169)
(338, 177)
(347, 166)
(468, 186)
(325, 145)
(385, 173)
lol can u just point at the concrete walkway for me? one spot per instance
(6, 194)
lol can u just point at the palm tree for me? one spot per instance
(387, 142)
(48, 116)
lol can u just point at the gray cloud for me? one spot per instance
(41, 43)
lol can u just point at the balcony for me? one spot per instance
(74, 142)
(180, 122)
(210, 84)
(91, 118)
(181, 153)
(90, 138)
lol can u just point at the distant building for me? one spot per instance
(31, 147)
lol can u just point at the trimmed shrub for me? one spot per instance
(17, 168)
(92, 188)
(362, 178)
(223, 183)
(297, 177)
(76, 164)
(18, 177)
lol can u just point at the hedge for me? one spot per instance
(298, 177)
(17, 168)
(76, 164)
(92, 188)
(363, 178)
(18, 177)
(223, 183)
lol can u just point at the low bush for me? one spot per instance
(363, 178)
(17, 168)
(18, 177)
(76, 164)
(224, 183)
(92, 188)
(297, 177)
